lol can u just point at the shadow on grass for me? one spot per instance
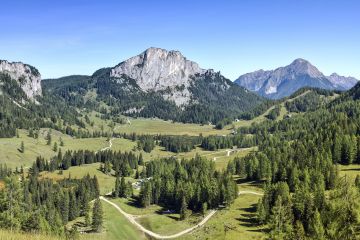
(350, 169)
(248, 219)
(251, 209)
(258, 183)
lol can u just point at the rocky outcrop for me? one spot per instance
(284, 81)
(341, 82)
(26, 76)
(157, 69)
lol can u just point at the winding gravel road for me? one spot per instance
(131, 219)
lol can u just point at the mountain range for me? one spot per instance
(164, 84)
(284, 81)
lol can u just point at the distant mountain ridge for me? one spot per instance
(284, 81)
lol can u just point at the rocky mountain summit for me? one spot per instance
(157, 69)
(27, 77)
(284, 81)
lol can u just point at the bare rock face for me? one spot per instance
(26, 76)
(341, 82)
(158, 69)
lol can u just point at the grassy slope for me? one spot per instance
(158, 126)
(152, 219)
(351, 171)
(106, 182)
(8, 235)
(115, 227)
(10, 154)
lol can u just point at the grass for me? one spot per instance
(115, 227)
(351, 171)
(11, 155)
(236, 222)
(158, 126)
(106, 182)
(152, 219)
(10, 235)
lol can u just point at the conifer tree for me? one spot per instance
(117, 187)
(97, 217)
(22, 147)
(48, 138)
(61, 142)
(122, 187)
(316, 226)
(55, 148)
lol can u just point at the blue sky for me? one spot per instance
(234, 37)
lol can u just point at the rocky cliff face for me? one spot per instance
(341, 82)
(26, 76)
(157, 69)
(284, 81)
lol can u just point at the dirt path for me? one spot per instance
(108, 147)
(131, 218)
(250, 192)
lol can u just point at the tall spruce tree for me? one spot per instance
(97, 216)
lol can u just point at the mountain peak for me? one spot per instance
(27, 77)
(156, 50)
(300, 61)
(302, 66)
(286, 80)
(158, 69)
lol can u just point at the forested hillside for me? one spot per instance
(17, 111)
(298, 159)
(214, 97)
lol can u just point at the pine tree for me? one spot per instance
(22, 147)
(55, 148)
(141, 160)
(73, 206)
(357, 181)
(61, 142)
(299, 232)
(261, 212)
(117, 187)
(65, 207)
(183, 209)
(145, 194)
(97, 188)
(97, 217)
(122, 187)
(316, 226)
(280, 220)
(48, 138)
(87, 214)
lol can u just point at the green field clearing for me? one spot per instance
(152, 219)
(9, 235)
(351, 170)
(158, 126)
(115, 227)
(106, 182)
(10, 154)
(236, 222)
